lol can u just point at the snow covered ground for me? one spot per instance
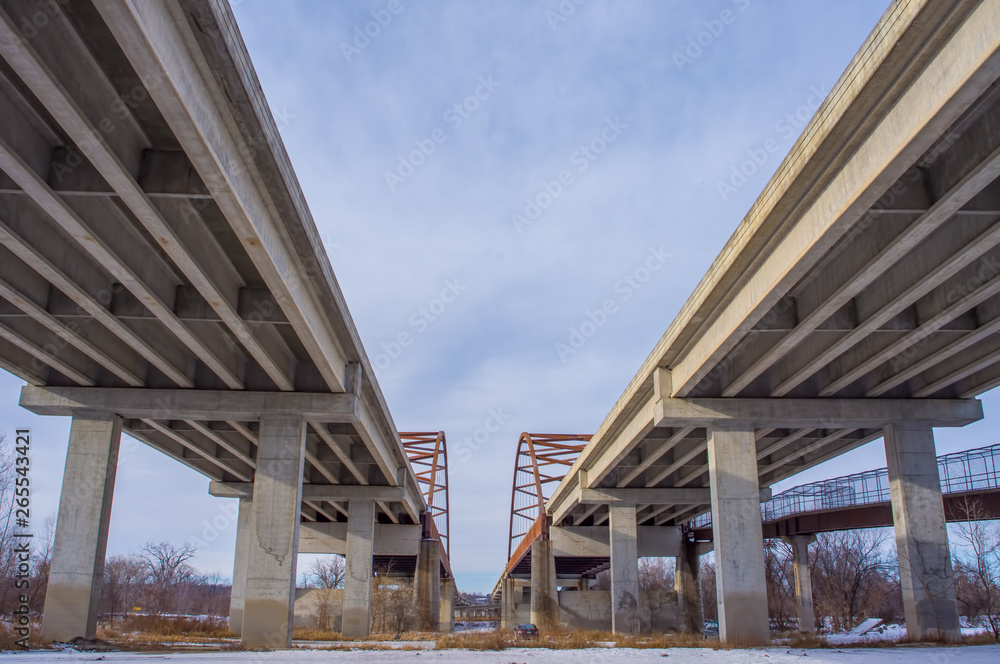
(916, 655)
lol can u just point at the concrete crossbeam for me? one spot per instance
(624, 570)
(329, 492)
(663, 496)
(277, 499)
(200, 405)
(736, 526)
(818, 413)
(358, 580)
(594, 541)
(391, 539)
(925, 571)
(77, 571)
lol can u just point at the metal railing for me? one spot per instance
(972, 470)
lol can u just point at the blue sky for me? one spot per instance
(422, 152)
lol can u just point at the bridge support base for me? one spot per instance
(356, 619)
(803, 581)
(544, 591)
(508, 603)
(736, 525)
(277, 498)
(687, 585)
(446, 621)
(81, 539)
(237, 598)
(624, 570)
(925, 570)
(427, 585)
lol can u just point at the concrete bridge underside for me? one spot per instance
(161, 275)
(858, 299)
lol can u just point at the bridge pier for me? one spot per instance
(687, 585)
(237, 598)
(736, 526)
(446, 619)
(925, 570)
(803, 581)
(277, 498)
(624, 569)
(544, 590)
(508, 603)
(81, 538)
(356, 619)
(427, 585)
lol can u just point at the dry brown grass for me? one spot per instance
(569, 640)
(8, 637)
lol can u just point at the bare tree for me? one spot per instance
(8, 557)
(167, 565)
(656, 574)
(850, 575)
(391, 603)
(124, 578)
(780, 580)
(709, 597)
(326, 574)
(977, 565)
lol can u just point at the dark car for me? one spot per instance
(526, 631)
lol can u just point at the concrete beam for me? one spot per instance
(74, 591)
(391, 539)
(594, 541)
(818, 413)
(329, 492)
(652, 496)
(202, 405)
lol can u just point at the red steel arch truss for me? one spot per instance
(428, 454)
(541, 462)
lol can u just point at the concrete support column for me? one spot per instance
(446, 618)
(237, 598)
(803, 581)
(624, 570)
(274, 540)
(427, 585)
(688, 587)
(736, 525)
(925, 571)
(544, 590)
(81, 540)
(356, 620)
(508, 603)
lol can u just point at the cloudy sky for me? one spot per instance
(523, 160)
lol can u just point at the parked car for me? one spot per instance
(526, 632)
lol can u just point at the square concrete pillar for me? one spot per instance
(739, 537)
(427, 585)
(803, 581)
(81, 539)
(509, 593)
(625, 618)
(274, 541)
(544, 591)
(241, 559)
(925, 572)
(687, 585)
(446, 618)
(356, 620)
